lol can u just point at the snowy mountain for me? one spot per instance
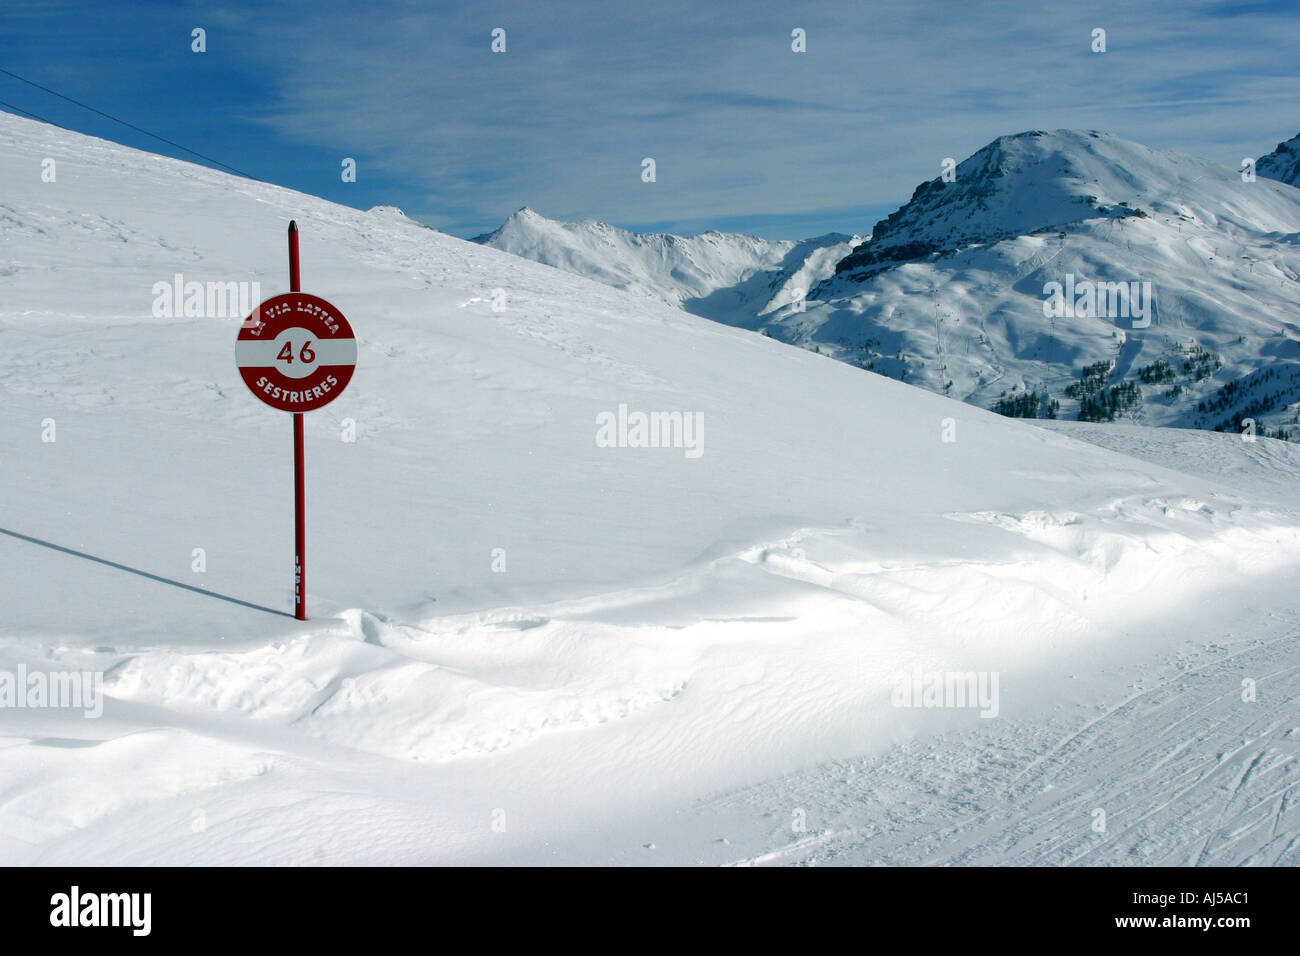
(723, 276)
(1283, 164)
(591, 579)
(1017, 185)
(1182, 281)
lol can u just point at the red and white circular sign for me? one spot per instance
(296, 352)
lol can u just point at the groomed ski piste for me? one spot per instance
(527, 648)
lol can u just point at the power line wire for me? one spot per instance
(115, 119)
(19, 109)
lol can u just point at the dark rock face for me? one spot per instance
(1016, 185)
(1283, 164)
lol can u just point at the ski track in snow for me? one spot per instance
(1185, 771)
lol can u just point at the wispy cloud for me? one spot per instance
(742, 129)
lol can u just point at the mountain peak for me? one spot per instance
(525, 219)
(524, 215)
(1283, 164)
(1024, 183)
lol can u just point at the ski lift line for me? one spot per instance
(19, 109)
(161, 139)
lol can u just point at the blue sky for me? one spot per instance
(746, 134)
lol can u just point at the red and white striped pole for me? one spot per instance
(299, 478)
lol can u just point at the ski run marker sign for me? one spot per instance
(296, 352)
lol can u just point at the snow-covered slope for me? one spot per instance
(528, 646)
(722, 276)
(952, 291)
(1283, 164)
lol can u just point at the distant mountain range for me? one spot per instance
(731, 278)
(1072, 273)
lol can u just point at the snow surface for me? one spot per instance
(682, 657)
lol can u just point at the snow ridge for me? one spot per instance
(728, 277)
